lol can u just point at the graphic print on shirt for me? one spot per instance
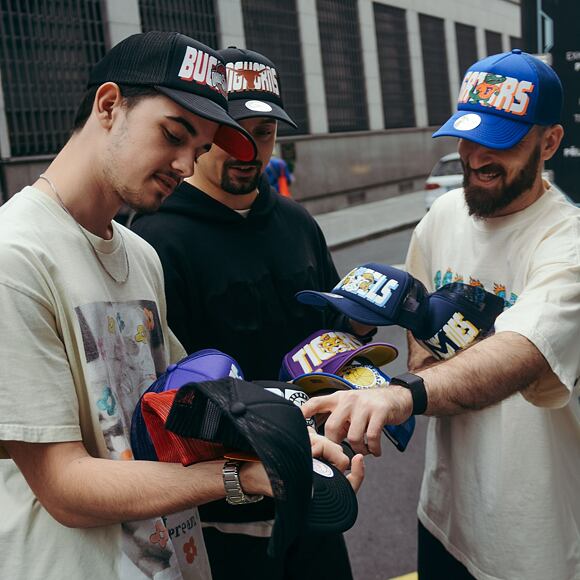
(441, 279)
(125, 352)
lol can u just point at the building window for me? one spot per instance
(271, 28)
(195, 19)
(45, 58)
(516, 42)
(395, 67)
(435, 69)
(493, 42)
(344, 79)
(466, 47)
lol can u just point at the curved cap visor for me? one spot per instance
(491, 131)
(352, 309)
(334, 504)
(230, 136)
(248, 108)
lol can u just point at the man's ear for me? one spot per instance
(108, 100)
(551, 140)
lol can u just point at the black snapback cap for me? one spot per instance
(308, 494)
(253, 86)
(185, 70)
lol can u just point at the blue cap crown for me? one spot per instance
(502, 97)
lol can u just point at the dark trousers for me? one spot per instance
(434, 562)
(312, 557)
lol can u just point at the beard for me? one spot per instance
(484, 202)
(240, 186)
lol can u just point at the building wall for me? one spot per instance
(335, 169)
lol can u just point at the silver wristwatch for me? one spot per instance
(234, 493)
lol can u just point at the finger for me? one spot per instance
(357, 432)
(337, 425)
(357, 472)
(374, 432)
(316, 405)
(333, 453)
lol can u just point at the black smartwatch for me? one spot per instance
(417, 387)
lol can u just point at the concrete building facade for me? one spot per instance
(366, 80)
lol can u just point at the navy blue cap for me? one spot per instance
(375, 294)
(457, 315)
(502, 97)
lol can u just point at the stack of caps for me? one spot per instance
(328, 361)
(444, 321)
(183, 417)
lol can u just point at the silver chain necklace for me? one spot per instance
(61, 203)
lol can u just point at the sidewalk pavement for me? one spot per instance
(370, 220)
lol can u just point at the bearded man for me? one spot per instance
(502, 468)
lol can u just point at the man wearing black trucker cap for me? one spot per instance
(499, 498)
(84, 328)
(234, 253)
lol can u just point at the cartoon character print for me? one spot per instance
(356, 280)
(475, 282)
(500, 290)
(333, 344)
(482, 92)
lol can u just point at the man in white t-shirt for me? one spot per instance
(84, 329)
(499, 498)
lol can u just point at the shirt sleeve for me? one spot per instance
(39, 402)
(547, 313)
(416, 261)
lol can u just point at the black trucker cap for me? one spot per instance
(185, 70)
(253, 86)
(245, 417)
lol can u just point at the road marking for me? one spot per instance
(411, 576)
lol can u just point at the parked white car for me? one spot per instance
(446, 175)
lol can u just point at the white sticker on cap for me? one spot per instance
(467, 122)
(322, 468)
(259, 106)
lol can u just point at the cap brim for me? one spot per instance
(493, 131)
(352, 309)
(314, 383)
(334, 506)
(247, 108)
(230, 136)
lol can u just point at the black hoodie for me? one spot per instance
(230, 280)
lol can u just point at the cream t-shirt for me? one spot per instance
(76, 352)
(500, 487)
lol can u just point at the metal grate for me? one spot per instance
(195, 18)
(435, 69)
(493, 42)
(466, 47)
(46, 51)
(271, 28)
(395, 67)
(344, 79)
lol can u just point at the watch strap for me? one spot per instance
(418, 391)
(234, 493)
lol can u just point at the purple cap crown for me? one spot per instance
(328, 350)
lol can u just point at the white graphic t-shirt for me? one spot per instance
(76, 352)
(500, 487)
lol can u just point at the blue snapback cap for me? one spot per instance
(375, 294)
(502, 97)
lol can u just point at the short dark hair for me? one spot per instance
(132, 94)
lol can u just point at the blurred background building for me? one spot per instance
(366, 81)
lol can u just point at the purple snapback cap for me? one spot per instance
(375, 294)
(203, 365)
(328, 351)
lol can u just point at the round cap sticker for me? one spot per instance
(322, 468)
(467, 122)
(258, 106)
